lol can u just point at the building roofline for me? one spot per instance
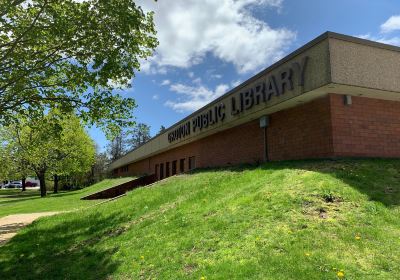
(320, 38)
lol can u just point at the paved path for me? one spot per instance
(10, 225)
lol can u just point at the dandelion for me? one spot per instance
(340, 274)
(307, 254)
(202, 278)
(142, 258)
(358, 237)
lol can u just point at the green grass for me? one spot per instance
(13, 201)
(288, 220)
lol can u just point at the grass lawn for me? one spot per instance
(13, 201)
(288, 220)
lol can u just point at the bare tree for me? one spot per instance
(139, 135)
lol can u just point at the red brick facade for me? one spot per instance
(241, 144)
(322, 128)
(366, 128)
(301, 132)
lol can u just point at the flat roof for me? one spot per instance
(325, 52)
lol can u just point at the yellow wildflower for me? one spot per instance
(142, 257)
(202, 278)
(307, 254)
(358, 237)
(340, 274)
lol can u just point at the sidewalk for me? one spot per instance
(10, 225)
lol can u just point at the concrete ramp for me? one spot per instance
(122, 188)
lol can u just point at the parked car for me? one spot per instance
(30, 184)
(12, 185)
(4, 184)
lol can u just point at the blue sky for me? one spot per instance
(208, 47)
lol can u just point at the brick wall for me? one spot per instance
(241, 144)
(301, 132)
(366, 128)
(322, 128)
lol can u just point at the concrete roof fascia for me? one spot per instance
(324, 36)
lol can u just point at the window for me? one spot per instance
(182, 165)
(161, 171)
(167, 169)
(124, 169)
(156, 171)
(192, 163)
(174, 167)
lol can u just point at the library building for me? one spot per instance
(337, 96)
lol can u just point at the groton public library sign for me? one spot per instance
(258, 94)
(337, 96)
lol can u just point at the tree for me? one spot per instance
(13, 166)
(118, 146)
(26, 140)
(56, 143)
(5, 160)
(73, 152)
(71, 54)
(100, 167)
(139, 135)
(162, 129)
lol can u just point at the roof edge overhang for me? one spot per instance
(330, 83)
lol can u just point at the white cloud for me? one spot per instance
(120, 84)
(392, 24)
(189, 29)
(165, 82)
(197, 81)
(395, 40)
(194, 97)
(216, 76)
(235, 83)
(156, 97)
(191, 74)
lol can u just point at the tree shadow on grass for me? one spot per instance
(19, 194)
(15, 200)
(377, 178)
(20, 198)
(62, 250)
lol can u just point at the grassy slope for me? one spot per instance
(270, 222)
(15, 201)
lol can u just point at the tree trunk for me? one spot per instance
(41, 176)
(55, 183)
(23, 180)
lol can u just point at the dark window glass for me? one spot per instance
(182, 165)
(156, 171)
(167, 170)
(192, 163)
(161, 171)
(123, 169)
(174, 167)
